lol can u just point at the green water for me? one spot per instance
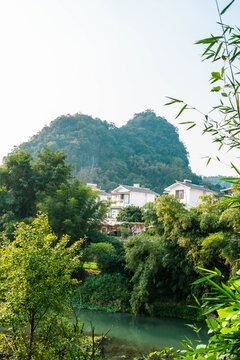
(144, 333)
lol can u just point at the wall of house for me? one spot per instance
(128, 198)
(185, 200)
(191, 196)
(194, 198)
(123, 199)
(140, 199)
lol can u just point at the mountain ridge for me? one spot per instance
(146, 150)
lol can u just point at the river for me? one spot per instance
(136, 335)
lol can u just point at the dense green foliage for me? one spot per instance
(108, 291)
(109, 262)
(111, 289)
(130, 213)
(147, 150)
(73, 209)
(160, 265)
(45, 184)
(36, 286)
(163, 263)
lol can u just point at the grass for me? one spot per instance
(91, 268)
(90, 265)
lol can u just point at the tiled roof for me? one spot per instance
(139, 189)
(103, 193)
(193, 186)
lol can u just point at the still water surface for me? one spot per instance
(144, 332)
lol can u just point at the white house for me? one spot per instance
(188, 193)
(125, 195)
(103, 195)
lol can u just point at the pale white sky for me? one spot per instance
(106, 58)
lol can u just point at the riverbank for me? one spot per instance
(176, 311)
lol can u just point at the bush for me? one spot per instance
(111, 290)
(97, 237)
(112, 260)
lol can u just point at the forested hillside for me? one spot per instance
(147, 150)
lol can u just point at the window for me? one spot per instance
(126, 199)
(179, 194)
(122, 196)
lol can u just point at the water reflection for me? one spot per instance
(144, 332)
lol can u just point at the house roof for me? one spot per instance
(103, 193)
(227, 190)
(191, 186)
(136, 189)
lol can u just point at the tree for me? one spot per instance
(22, 179)
(144, 260)
(36, 284)
(150, 218)
(52, 169)
(27, 185)
(130, 213)
(95, 251)
(18, 179)
(170, 212)
(73, 209)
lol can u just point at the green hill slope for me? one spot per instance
(147, 150)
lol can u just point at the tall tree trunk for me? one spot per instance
(31, 338)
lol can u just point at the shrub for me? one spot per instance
(111, 290)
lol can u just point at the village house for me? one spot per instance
(103, 195)
(188, 193)
(125, 195)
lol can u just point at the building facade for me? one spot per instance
(125, 195)
(188, 193)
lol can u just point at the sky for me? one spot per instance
(109, 59)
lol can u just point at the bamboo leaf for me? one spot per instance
(203, 279)
(216, 75)
(173, 100)
(213, 39)
(216, 89)
(190, 127)
(230, 292)
(218, 50)
(227, 7)
(182, 109)
(235, 168)
(186, 122)
(219, 288)
(207, 270)
(209, 159)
